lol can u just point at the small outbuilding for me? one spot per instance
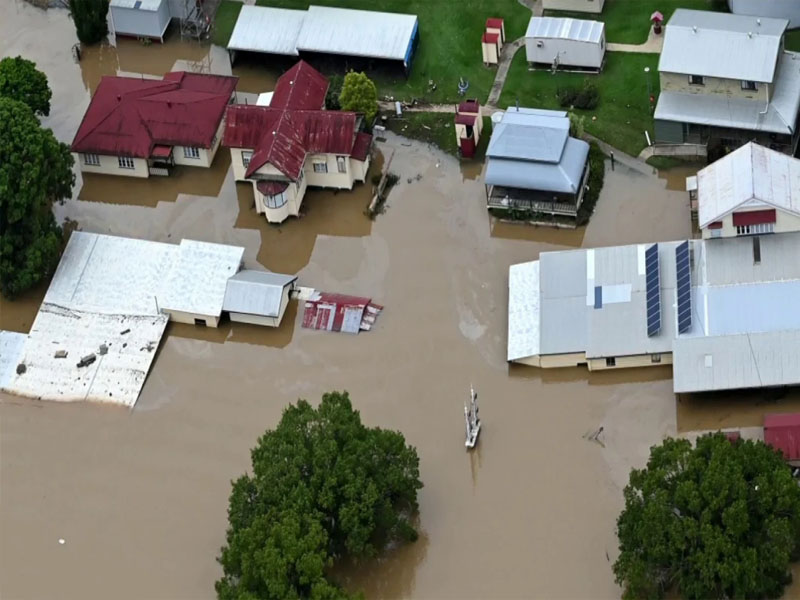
(258, 297)
(782, 432)
(140, 18)
(468, 125)
(569, 44)
(490, 47)
(495, 25)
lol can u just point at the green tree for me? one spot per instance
(334, 91)
(323, 486)
(20, 80)
(359, 95)
(91, 19)
(720, 520)
(35, 170)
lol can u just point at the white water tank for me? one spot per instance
(497, 117)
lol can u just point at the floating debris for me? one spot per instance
(87, 360)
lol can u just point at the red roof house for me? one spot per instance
(136, 117)
(782, 432)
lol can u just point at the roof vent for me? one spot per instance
(749, 34)
(694, 28)
(758, 22)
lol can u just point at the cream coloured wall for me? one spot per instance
(331, 179)
(109, 165)
(236, 161)
(626, 362)
(590, 6)
(359, 168)
(678, 82)
(531, 361)
(489, 53)
(188, 318)
(206, 154)
(254, 319)
(553, 361)
(784, 222)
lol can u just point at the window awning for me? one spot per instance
(754, 217)
(161, 151)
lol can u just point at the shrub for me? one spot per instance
(597, 173)
(585, 97)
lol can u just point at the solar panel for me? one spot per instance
(684, 276)
(653, 288)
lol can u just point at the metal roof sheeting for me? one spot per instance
(532, 137)
(722, 45)
(578, 30)
(256, 293)
(782, 432)
(523, 310)
(148, 5)
(269, 30)
(750, 176)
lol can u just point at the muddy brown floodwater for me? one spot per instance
(140, 496)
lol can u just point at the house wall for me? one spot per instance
(255, 319)
(238, 165)
(206, 154)
(571, 53)
(295, 194)
(589, 6)
(553, 361)
(360, 168)
(626, 362)
(489, 53)
(500, 32)
(109, 165)
(141, 23)
(784, 222)
(331, 179)
(732, 88)
(189, 318)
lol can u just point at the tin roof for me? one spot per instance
(256, 293)
(269, 30)
(300, 88)
(523, 310)
(782, 432)
(148, 5)
(749, 177)
(527, 136)
(578, 30)
(128, 116)
(494, 23)
(361, 146)
(490, 38)
(715, 44)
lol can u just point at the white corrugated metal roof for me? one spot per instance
(579, 30)
(357, 32)
(149, 5)
(256, 293)
(723, 45)
(266, 29)
(750, 175)
(11, 344)
(530, 136)
(523, 310)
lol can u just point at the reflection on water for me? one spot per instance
(572, 238)
(723, 410)
(582, 373)
(470, 169)
(195, 181)
(676, 176)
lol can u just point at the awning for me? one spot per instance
(161, 151)
(754, 217)
(271, 188)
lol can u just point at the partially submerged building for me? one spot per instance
(324, 30)
(727, 80)
(258, 297)
(150, 19)
(569, 44)
(468, 127)
(138, 127)
(782, 432)
(533, 164)
(294, 143)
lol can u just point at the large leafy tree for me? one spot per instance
(323, 486)
(91, 19)
(359, 95)
(35, 170)
(20, 80)
(720, 520)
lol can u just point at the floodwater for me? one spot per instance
(140, 496)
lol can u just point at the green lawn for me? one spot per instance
(449, 46)
(628, 21)
(623, 112)
(792, 40)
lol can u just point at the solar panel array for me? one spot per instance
(653, 288)
(684, 276)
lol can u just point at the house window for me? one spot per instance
(126, 162)
(715, 233)
(756, 250)
(655, 358)
(246, 156)
(611, 361)
(751, 86)
(191, 152)
(341, 164)
(697, 80)
(276, 200)
(755, 229)
(92, 160)
(320, 167)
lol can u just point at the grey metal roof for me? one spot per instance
(538, 136)
(740, 113)
(266, 29)
(357, 32)
(562, 308)
(729, 261)
(722, 45)
(580, 30)
(148, 5)
(749, 176)
(256, 293)
(523, 310)
(563, 177)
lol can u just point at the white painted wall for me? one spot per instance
(141, 23)
(784, 222)
(571, 53)
(109, 165)
(261, 320)
(189, 318)
(589, 6)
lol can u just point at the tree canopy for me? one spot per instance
(20, 80)
(35, 170)
(359, 95)
(323, 486)
(90, 18)
(720, 520)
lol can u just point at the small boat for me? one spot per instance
(472, 420)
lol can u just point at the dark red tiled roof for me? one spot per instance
(361, 146)
(490, 38)
(494, 23)
(469, 106)
(129, 116)
(271, 188)
(466, 119)
(301, 88)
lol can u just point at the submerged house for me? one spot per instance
(294, 143)
(534, 165)
(727, 80)
(140, 127)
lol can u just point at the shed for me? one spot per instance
(468, 125)
(782, 432)
(258, 297)
(495, 25)
(140, 18)
(576, 44)
(490, 47)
